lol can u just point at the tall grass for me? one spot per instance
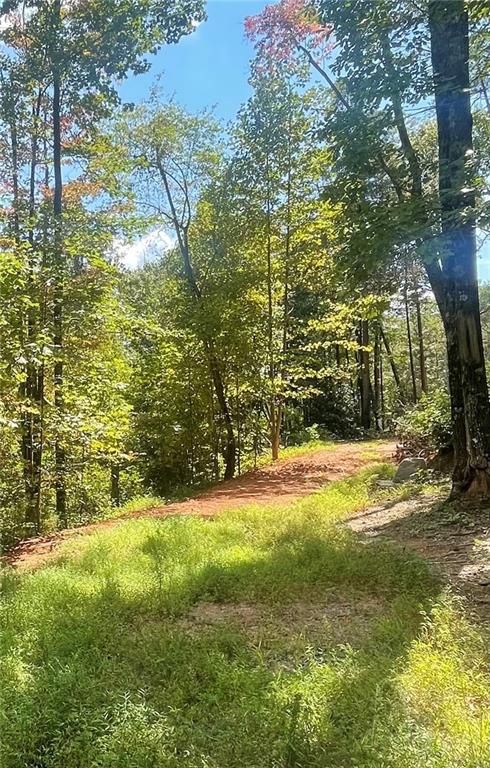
(103, 664)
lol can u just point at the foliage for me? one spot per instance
(427, 426)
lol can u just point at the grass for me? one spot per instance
(290, 452)
(266, 638)
(138, 504)
(144, 503)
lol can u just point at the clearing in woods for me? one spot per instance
(297, 616)
(280, 483)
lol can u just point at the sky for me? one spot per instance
(209, 68)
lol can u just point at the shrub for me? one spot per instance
(427, 426)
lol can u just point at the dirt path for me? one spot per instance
(454, 539)
(280, 483)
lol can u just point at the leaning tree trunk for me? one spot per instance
(450, 61)
(391, 360)
(377, 380)
(181, 232)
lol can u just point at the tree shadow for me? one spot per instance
(454, 538)
(106, 678)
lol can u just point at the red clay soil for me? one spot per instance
(279, 483)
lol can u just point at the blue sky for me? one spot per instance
(210, 68)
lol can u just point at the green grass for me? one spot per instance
(264, 459)
(138, 504)
(143, 503)
(109, 657)
(310, 447)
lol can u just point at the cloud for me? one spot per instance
(148, 248)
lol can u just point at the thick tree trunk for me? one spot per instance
(450, 61)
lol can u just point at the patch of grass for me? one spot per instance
(138, 504)
(264, 459)
(99, 668)
(309, 447)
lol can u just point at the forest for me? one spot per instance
(206, 555)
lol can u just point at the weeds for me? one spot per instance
(98, 666)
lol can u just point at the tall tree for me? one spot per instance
(380, 68)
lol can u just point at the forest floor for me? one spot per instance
(453, 538)
(280, 483)
(300, 615)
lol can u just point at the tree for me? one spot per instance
(381, 71)
(63, 60)
(457, 279)
(174, 159)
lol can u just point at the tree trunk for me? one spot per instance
(32, 432)
(377, 380)
(391, 359)
(409, 342)
(420, 334)
(181, 233)
(382, 389)
(115, 487)
(60, 457)
(276, 423)
(230, 446)
(450, 61)
(365, 382)
(274, 407)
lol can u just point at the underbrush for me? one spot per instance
(102, 664)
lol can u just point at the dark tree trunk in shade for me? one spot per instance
(420, 336)
(377, 379)
(410, 343)
(115, 486)
(459, 299)
(365, 380)
(393, 366)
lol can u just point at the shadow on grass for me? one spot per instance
(96, 674)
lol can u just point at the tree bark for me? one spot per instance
(393, 367)
(365, 381)
(58, 259)
(450, 61)
(420, 336)
(115, 487)
(410, 344)
(230, 446)
(32, 433)
(377, 380)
